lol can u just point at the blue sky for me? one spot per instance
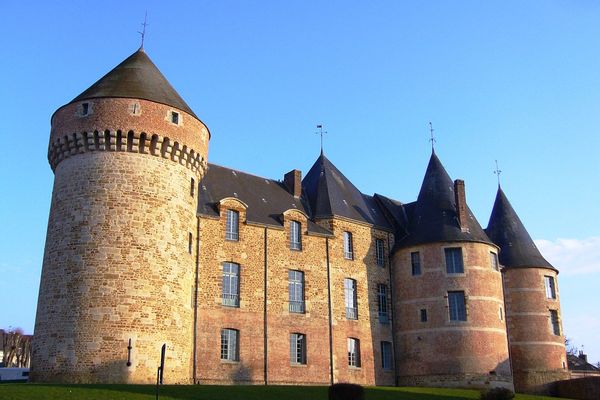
(508, 80)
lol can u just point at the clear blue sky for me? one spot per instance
(509, 80)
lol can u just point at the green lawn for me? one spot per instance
(29, 391)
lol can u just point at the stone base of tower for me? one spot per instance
(467, 381)
(538, 382)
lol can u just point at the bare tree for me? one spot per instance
(572, 349)
(16, 347)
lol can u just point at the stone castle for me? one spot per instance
(261, 281)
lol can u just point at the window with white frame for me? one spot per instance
(295, 235)
(550, 287)
(229, 344)
(175, 117)
(386, 356)
(457, 307)
(379, 252)
(494, 261)
(350, 298)
(382, 303)
(297, 348)
(232, 225)
(415, 261)
(353, 352)
(231, 284)
(348, 246)
(296, 291)
(555, 322)
(454, 260)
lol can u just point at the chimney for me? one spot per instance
(583, 356)
(293, 182)
(461, 204)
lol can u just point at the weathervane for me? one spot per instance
(321, 132)
(432, 138)
(143, 32)
(498, 171)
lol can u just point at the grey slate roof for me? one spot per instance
(517, 249)
(137, 77)
(266, 199)
(329, 193)
(433, 217)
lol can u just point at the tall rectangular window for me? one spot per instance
(175, 117)
(379, 252)
(423, 314)
(350, 298)
(85, 108)
(382, 303)
(454, 260)
(232, 225)
(494, 261)
(348, 246)
(353, 352)
(386, 356)
(456, 306)
(229, 344)
(297, 348)
(231, 284)
(555, 323)
(192, 187)
(295, 235)
(550, 287)
(296, 291)
(415, 261)
(190, 242)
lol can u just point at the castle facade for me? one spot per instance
(254, 280)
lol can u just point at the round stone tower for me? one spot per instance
(536, 339)
(119, 263)
(449, 308)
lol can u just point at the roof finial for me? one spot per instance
(321, 132)
(432, 138)
(143, 32)
(498, 171)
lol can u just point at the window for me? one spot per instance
(192, 187)
(190, 242)
(501, 313)
(353, 352)
(231, 284)
(296, 291)
(348, 253)
(295, 235)
(85, 108)
(350, 295)
(379, 252)
(229, 344)
(494, 261)
(454, 260)
(555, 323)
(423, 315)
(382, 303)
(456, 306)
(550, 287)
(415, 260)
(297, 348)
(175, 117)
(232, 225)
(386, 356)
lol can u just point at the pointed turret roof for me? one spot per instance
(329, 193)
(433, 217)
(517, 249)
(137, 77)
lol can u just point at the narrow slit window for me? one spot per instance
(190, 240)
(415, 261)
(379, 252)
(423, 315)
(192, 187)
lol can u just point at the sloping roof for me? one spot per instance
(433, 217)
(579, 363)
(266, 199)
(329, 193)
(137, 77)
(517, 249)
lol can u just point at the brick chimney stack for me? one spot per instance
(293, 182)
(461, 204)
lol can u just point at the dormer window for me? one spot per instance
(295, 235)
(175, 117)
(85, 108)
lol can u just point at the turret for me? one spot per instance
(119, 263)
(450, 328)
(536, 339)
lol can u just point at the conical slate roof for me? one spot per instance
(517, 249)
(433, 217)
(329, 193)
(137, 77)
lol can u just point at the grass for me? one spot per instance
(30, 391)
